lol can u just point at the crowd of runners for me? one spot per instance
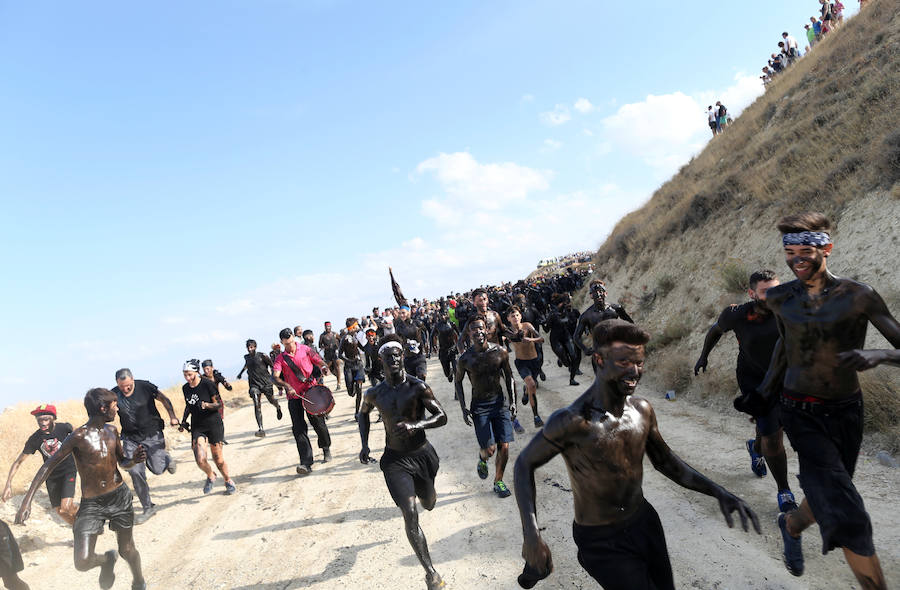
(800, 348)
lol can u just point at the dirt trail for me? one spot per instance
(338, 527)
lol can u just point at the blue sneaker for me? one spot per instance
(518, 427)
(482, 469)
(786, 501)
(757, 461)
(793, 551)
(208, 486)
(501, 490)
(229, 488)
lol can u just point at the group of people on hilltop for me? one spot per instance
(800, 349)
(831, 16)
(718, 118)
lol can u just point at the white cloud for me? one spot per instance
(583, 105)
(527, 98)
(551, 145)
(9, 380)
(587, 132)
(484, 186)
(666, 130)
(558, 116)
(173, 320)
(237, 307)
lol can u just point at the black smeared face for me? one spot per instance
(621, 365)
(804, 261)
(46, 422)
(251, 348)
(481, 302)
(392, 359)
(478, 332)
(598, 294)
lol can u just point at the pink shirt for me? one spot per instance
(305, 358)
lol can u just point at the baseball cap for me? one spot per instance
(44, 409)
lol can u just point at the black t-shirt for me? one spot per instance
(206, 391)
(48, 443)
(756, 335)
(137, 412)
(257, 370)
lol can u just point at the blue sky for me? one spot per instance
(176, 178)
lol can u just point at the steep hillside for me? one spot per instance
(825, 136)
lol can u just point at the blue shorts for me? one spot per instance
(493, 423)
(528, 368)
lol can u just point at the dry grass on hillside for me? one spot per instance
(824, 136)
(17, 424)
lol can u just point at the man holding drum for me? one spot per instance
(293, 369)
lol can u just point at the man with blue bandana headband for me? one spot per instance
(822, 320)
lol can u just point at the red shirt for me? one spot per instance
(305, 358)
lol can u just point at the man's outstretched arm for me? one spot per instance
(674, 467)
(43, 473)
(712, 338)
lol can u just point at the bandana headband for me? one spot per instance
(391, 344)
(806, 238)
(189, 366)
(406, 307)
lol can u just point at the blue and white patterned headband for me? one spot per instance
(806, 238)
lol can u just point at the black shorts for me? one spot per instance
(407, 474)
(629, 555)
(416, 366)
(265, 390)
(114, 506)
(330, 355)
(528, 368)
(10, 556)
(826, 438)
(213, 429)
(59, 487)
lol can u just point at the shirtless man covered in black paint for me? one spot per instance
(409, 462)
(447, 336)
(822, 319)
(598, 311)
(524, 339)
(485, 362)
(603, 437)
(98, 453)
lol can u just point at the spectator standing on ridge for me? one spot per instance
(711, 116)
(722, 116)
(790, 46)
(810, 35)
(817, 27)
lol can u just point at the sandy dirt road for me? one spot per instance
(338, 528)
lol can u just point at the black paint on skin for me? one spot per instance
(98, 454)
(403, 402)
(596, 313)
(603, 437)
(258, 367)
(485, 363)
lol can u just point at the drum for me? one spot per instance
(317, 400)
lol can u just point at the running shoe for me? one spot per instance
(757, 461)
(538, 423)
(786, 501)
(145, 516)
(572, 381)
(542, 376)
(304, 469)
(108, 570)
(326, 455)
(525, 398)
(278, 412)
(435, 583)
(482, 469)
(172, 466)
(229, 488)
(260, 433)
(793, 551)
(501, 490)
(208, 486)
(518, 427)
